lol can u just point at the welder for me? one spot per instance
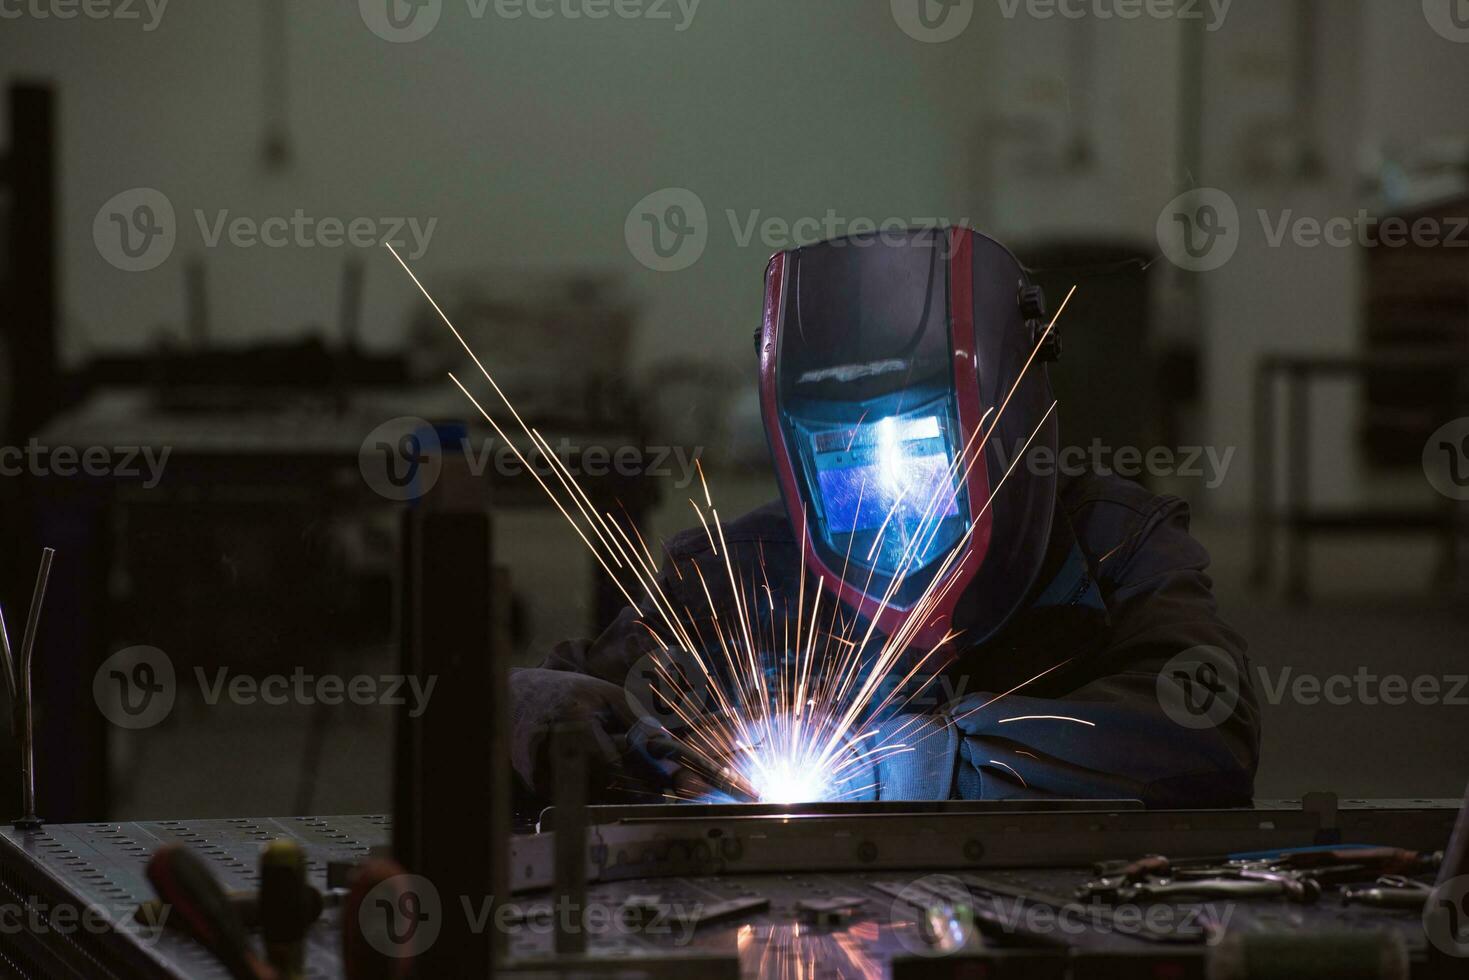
(1082, 654)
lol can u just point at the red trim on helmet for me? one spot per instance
(971, 414)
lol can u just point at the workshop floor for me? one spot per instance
(1372, 611)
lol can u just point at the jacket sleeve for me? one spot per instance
(1164, 712)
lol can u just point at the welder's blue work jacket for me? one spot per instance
(1151, 700)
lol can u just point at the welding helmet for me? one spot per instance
(900, 375)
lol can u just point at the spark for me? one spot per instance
(789, 720)
(1011, 769)
(1076, 721)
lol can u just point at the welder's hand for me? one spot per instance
(618, 767)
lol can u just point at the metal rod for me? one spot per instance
(570, 888)
(9, 661)
(27, 733)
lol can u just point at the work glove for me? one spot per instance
(621, 766)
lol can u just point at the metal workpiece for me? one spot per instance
(643, 842)
(451, 819)
(18, 674)
(569, 763)
(7, 661)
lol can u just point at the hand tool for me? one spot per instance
(1148, 866)
(1295, 885)
(1390, 892)
(283, 906)
(18, 686)
(1168, 890)
(1379, 860)
(1320, 865)
(188, 888)
(362, 957)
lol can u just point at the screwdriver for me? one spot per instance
(185, 884)
(369, 951)
(284, 896)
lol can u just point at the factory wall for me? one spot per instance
(503, 168)
(516, 170)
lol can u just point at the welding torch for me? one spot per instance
(720, 778)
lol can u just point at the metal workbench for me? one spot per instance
(695, 857)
